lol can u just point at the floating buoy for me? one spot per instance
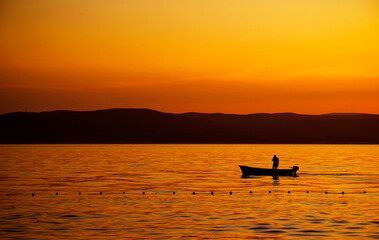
(143, 193)
(80, 193)
(343, 192)
(251, 191)
(56, 193)
(173, 192)
(8, 194)
(193, 193)
(123, 192)
(307, 191)
(269, 191)
(211, 193)
(289, 191)
(230, 193)
(326, 192)
(364, 192)
(101, 193)
(32, 194)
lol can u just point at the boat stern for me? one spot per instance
(294, 170)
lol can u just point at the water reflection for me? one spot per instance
(276, 181)
(123, 172)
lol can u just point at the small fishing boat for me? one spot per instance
(246, 171)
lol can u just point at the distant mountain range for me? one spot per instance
(149, 126)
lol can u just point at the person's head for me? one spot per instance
(274, 155)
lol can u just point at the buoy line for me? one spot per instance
(33, 194)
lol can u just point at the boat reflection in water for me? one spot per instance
(276, 181)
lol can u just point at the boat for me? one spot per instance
(246, 171)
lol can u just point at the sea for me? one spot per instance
(173, 191)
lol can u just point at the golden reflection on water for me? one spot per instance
(159, 170)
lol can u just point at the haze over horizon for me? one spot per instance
(237, 57)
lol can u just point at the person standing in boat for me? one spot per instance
(275, 163)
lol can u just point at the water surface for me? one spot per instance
(123, 172)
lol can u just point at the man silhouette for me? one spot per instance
(275, 164)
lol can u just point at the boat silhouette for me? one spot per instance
(247, 171)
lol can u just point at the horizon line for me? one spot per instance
(149, 109)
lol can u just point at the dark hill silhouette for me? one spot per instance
(149, 126)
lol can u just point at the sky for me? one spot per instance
(228, 56)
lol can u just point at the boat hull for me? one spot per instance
(247, 171)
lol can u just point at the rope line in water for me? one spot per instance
(192, 193)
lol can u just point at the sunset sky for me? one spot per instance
(230, 56)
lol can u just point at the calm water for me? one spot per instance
(159, 170)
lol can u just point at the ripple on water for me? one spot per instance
(311, 231)
(273, 231)
(289, 228)
(60, 229)
(15, 216)
(97, 229)
(363, 223)
(307, 235)
(220, 230)
(240, 218)
(259, 228)
(339, 221)
(354, 228)
(69, 216)
(14, 230)
(316, 221)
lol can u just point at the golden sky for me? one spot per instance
(230, 56)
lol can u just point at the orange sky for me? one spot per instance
(231, 56)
